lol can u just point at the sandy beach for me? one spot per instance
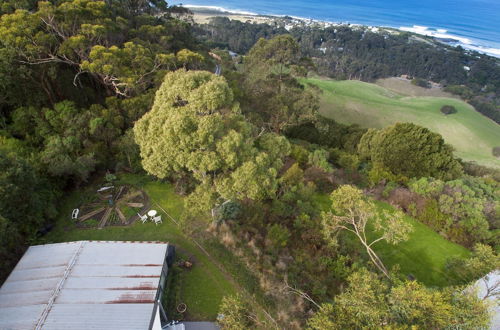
(202, 15)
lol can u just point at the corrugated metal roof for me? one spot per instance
(83, 285)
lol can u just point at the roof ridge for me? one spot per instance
(59, 286)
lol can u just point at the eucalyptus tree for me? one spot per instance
(355, 213)
(195, 129)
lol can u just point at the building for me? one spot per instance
(488, 288)
(87, 285)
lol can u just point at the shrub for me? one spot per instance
(299, 153)
(278, 235)
(379, 173)
(414, 151)
(496, 152)
(233, 314)
(463, 91)
(348, 161)
(448, 109)
(319, 158)
(229, 210)
(421, 83)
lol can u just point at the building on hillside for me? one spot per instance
(488, 288)
(87, 285)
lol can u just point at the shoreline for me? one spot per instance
(202, 15)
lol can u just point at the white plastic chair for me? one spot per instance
(143, 218)
(74, 214)
(157, 220)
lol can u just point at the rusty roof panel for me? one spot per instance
(112, 283)
(96, 296)
(114, 271)
(83, 285)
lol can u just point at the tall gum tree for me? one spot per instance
(195, 129)
(354, 213)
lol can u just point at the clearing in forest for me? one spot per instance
(354, 102)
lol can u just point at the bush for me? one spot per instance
(414, 151)
(421, 83)
(233, 314)
(229, 210)
(319, 158)
(348, 161)
(463, 91)
(299, 153)
(278, 235)
(496, 152)
(448, 109)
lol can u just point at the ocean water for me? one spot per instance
(474, 24)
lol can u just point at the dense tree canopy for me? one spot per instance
(123, 48)
(89, 87)
(274, 97)
(346, 52)
(372, 303)
(411, 150)
(195, 128)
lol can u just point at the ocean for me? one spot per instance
(473, 24)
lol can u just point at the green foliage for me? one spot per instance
(229, 210)
(299, 153)
(278, 235)
(353, 213)
(413, 151)
(293, 176)
(348, 161)
(421, 82)
(27, 201)
(369, 302)
(86, 50)
(274, 97)
(189, 59)
(323, 319)
(448, 109)
(482, 261)
(370, 105)
(496, 152)
(461, 207)
(432, 216)
(233, 314)
(378, 173)
(319, 158)
(128, 70)
(367, 143)
(195, 128)
(464, 92)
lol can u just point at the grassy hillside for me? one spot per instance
(369, 105)
(422, 256)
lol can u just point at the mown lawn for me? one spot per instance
(369, 105)
(422, 256)
(203, 286)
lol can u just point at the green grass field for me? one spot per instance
(354, 102)
(203, 286)
(423, 255)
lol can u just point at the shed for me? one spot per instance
(87, 285)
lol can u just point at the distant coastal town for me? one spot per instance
(202, 15)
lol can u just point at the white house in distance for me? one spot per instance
(87, 285)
